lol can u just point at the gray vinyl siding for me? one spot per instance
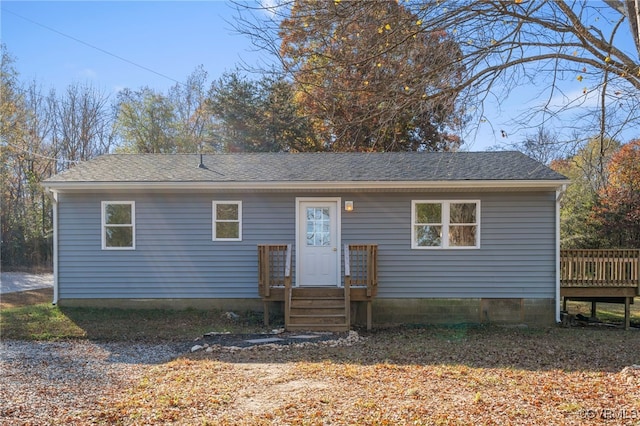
(175, 256)
(516, 258)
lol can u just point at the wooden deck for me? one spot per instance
(600, 276)
(318, 308)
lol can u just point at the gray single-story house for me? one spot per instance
(450, 237)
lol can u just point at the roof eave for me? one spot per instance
(302, 185)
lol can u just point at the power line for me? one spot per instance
(91, 46)
(35, 154)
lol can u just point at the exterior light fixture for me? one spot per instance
(348, 206)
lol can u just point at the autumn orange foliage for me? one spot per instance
(371, 76)
(618, 210)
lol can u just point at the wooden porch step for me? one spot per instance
(318, 309)
(317, 292)
(317, 303)
(317, 319)
(317, 312)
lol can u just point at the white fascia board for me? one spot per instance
(346, 185)
(301, 185)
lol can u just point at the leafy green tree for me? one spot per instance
(12, 108)
(233, 102)
(41, 135)
(578, 227)
(13, 128)
(194, 124)
(287, 128)
(146, 122)
(24, 160)
(234, 114)
(258, 116)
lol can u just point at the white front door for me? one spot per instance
(318, 242)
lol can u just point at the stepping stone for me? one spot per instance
(305, 336)
(264, 340)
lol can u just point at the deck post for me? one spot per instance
(627, 313)
(347, 286)
(593, 309)
(347, 301)
(369, 319)
(266, 313)
(287, 287)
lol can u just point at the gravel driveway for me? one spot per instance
(52, 382)
(20, 281)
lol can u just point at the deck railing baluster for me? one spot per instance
(605, 275)
(599, 268)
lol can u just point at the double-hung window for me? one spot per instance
(445, 224)
(118, 225)
(227, 221)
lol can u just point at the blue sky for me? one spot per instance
(170, 38)
(166, 37)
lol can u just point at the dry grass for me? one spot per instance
(484, 375)
(26, 298)
(29, 315)
(613, 312)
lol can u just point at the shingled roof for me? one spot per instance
(264, 168)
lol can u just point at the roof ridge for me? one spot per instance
(412, 153)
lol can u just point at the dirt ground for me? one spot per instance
(418, 375)
(422, 376)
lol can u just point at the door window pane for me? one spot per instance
(318, 226)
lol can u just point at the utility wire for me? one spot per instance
(35, 154)
(91, 46)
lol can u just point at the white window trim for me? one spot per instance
(132, 225)
(214, 220)
(446, 204)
